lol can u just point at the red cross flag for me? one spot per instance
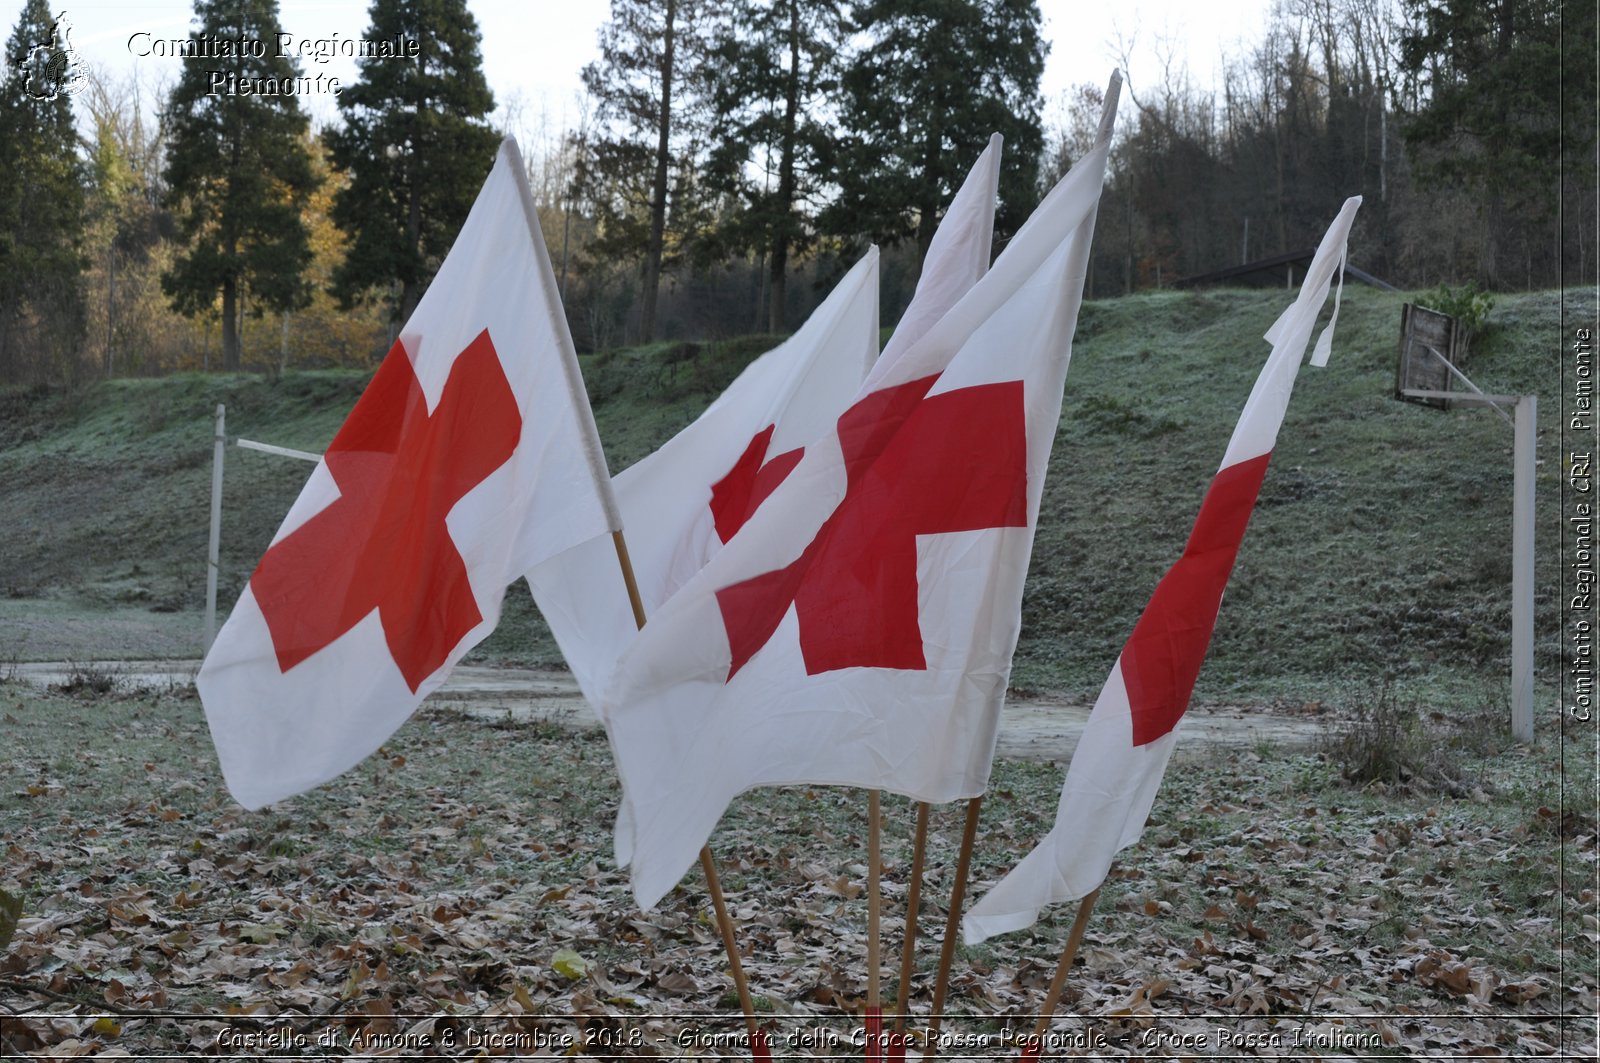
(683, 502)
(859, 630)
(1123, 752)
(471, 457)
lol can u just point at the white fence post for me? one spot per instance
(1522, 569)
(219, 446)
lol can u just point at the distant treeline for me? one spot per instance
(730, 159)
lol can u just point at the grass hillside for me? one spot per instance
(1381, 545)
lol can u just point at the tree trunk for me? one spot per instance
(230, 325)
(932, 155)
(786, 190)
(410, 289)
(1280, 147)
(1127, 269)
(658, 192)
(1489, 265)
(230, 292)
(111, 308)
(410, 296)
(776, 294)
(1494, 262)
(928, 209)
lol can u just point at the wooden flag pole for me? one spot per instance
(628, 577)
(952, 927)
(1052, 997)
(758, 1037)
(908, 948)
(1079, 256)
(874, 908)
(708, 863)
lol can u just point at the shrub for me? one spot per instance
(87, 680)
(1467, 304)
(1385, 740)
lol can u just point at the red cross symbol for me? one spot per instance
(914, 465)
(1162, 659)
(736, 496)
(383, 544)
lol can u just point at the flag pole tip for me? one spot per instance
(1108, 113)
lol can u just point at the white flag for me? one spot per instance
(1117, 767)
(471, 457)
(957, 258)
(860, 631)
(682, 502)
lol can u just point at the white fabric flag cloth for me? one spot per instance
(471, 457)
(860, 630)
(957, 258)
(1123, 752)
(682, 502)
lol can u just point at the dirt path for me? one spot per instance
(1031, 728)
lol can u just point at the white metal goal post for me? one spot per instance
(1423, 333)
(219, 445)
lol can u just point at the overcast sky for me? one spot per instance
(533, 52)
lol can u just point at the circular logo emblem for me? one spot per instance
(53, 67)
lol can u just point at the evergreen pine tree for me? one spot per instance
(416, 147)
(238, 175)
(933, 81)
(1505, 110)
(1493, 76)
(41, 202)
(638, 172)
(773, 63)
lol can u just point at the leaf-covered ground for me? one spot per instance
(455, 896)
